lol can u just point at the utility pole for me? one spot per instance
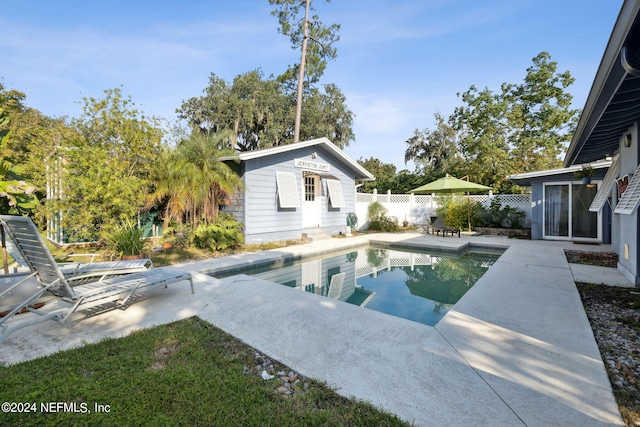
(296, 129)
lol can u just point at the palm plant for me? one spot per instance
(193, 181)
(127, 239)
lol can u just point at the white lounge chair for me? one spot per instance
(27, 240)
(71, 294)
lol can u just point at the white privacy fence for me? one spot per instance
(416, 208)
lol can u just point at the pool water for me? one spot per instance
(419, 286)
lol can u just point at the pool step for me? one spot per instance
(315, 235)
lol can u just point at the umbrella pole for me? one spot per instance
(469, 210)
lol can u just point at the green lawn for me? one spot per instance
(184, 373)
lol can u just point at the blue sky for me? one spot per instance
(399, 61)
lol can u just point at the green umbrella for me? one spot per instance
(450, 184)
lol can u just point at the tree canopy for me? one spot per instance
(523, 128)
(255, 113)
(435, 152)
(107, 165)
(385, 174)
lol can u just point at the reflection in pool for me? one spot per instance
(417, 286)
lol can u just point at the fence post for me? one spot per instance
(432, 212)
(388, 196)
(412, 203)
(375, 195)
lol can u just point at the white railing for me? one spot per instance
(416, 208)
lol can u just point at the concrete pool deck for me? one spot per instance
(517, 349)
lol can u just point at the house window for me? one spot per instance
(309, 188)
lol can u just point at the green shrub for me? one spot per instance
(443, 201)
(179, 235)
(501, 217)
(376, 211)
(384, 223)
(222, 234)
(457, 213)
(378, 220)
(127, 239)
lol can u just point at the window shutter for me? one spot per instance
(607, 183)
(287, 190)
(631, 196)
(335, 193)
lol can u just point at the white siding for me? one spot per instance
(265, 221)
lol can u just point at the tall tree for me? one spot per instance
(26, 138)
(525, 127)
(383, 172)
(293, 16)
(541, 117)
(16, 195)
(327, 115)
(435, 151)
(107, 165)
(405, 181)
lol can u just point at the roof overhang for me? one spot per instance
(524, 179)
(361, 173)
(613, 104)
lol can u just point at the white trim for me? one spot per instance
(336, 197)
(607, 184)
(287, 190)
(363, 174)
(558, 171)
(631, 196)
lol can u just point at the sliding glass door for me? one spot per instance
(566, 212)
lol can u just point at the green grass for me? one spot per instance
(184, 373)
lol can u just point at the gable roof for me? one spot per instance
(613, 104)
(361, 173)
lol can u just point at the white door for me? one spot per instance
(311, 202)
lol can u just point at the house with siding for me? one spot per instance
(561, 204)
(304, 188)
(608, 127)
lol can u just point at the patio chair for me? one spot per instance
(27, 240)
(70, 294)
(438, 225)
(425, 228)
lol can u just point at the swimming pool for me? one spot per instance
(416, 285)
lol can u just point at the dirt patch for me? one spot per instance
(162, 354)
(601, 259)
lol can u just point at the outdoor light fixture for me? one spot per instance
(627, 140)
(608, 157)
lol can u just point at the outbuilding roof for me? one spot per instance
(360, 173)
(524, 179)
